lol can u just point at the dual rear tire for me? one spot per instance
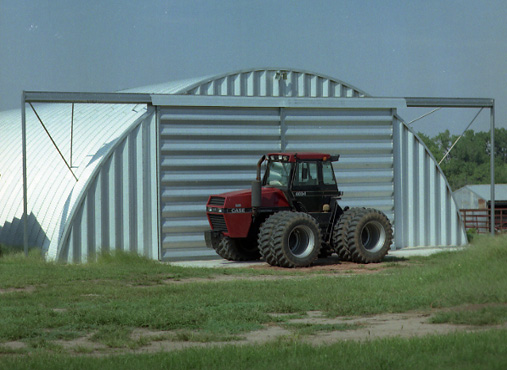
(290, 239)
(362, 235)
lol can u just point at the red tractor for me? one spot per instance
(292, 217)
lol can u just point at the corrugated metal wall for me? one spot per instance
(117, 208)
(362, 137)
(207, 151)
(426, 212)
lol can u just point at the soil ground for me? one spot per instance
(405, 325)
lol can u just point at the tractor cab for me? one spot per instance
(308, 179)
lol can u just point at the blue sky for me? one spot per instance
(386, 48)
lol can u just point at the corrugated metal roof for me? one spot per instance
(172, 87)
(259, 82)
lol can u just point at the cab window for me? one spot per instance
(328, 174)
(307, 174)
(278, 174)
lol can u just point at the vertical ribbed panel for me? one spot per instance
(117, 209)
(363, 138)
(206, 151)
(49, 180)
(274, 82)
(426, 213)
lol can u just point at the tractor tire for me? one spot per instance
(369, 236)
(296, 239)
(339, 238)
(234, 249)
(264, 239)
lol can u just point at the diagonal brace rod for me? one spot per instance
(452, 146)
(51, 138)
(424, 115)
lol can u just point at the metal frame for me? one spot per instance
(279, 102)
(29, 97)
(466, 103)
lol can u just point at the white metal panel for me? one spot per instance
(206, 151)
(117, 207)
(426, 213)
(49, 181)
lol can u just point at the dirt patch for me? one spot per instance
(82, 344)
(14, 345)
(26, 289)
(335, 265)
(404, 325)
(323, 267)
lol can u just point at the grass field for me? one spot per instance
(45, 308)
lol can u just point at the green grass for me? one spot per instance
(118, 293)
(492, 315)
(485, 350)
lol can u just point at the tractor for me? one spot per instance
(292, 217)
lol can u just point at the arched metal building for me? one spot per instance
(144, 170)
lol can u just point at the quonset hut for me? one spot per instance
(136, 177)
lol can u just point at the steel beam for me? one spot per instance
(25, 185)
(86, 97)
(492, 169)
(450, 102)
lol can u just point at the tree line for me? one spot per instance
(469, 161)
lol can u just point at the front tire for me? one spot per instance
(234, 249)
(296, 240)
(264, 240)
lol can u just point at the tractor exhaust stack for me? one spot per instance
(257, 188)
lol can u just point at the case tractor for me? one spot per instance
(292, 216)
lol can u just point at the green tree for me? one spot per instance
(469, 160)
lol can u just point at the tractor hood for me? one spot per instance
(271, 197)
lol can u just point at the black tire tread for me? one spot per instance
(340, 234)
(277, 239)
(357, 252)
(264, 239)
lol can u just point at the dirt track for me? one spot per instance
(405, 325)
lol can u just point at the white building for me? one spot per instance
(479, 196)
(139, 174)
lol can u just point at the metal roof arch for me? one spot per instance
(259, 82)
